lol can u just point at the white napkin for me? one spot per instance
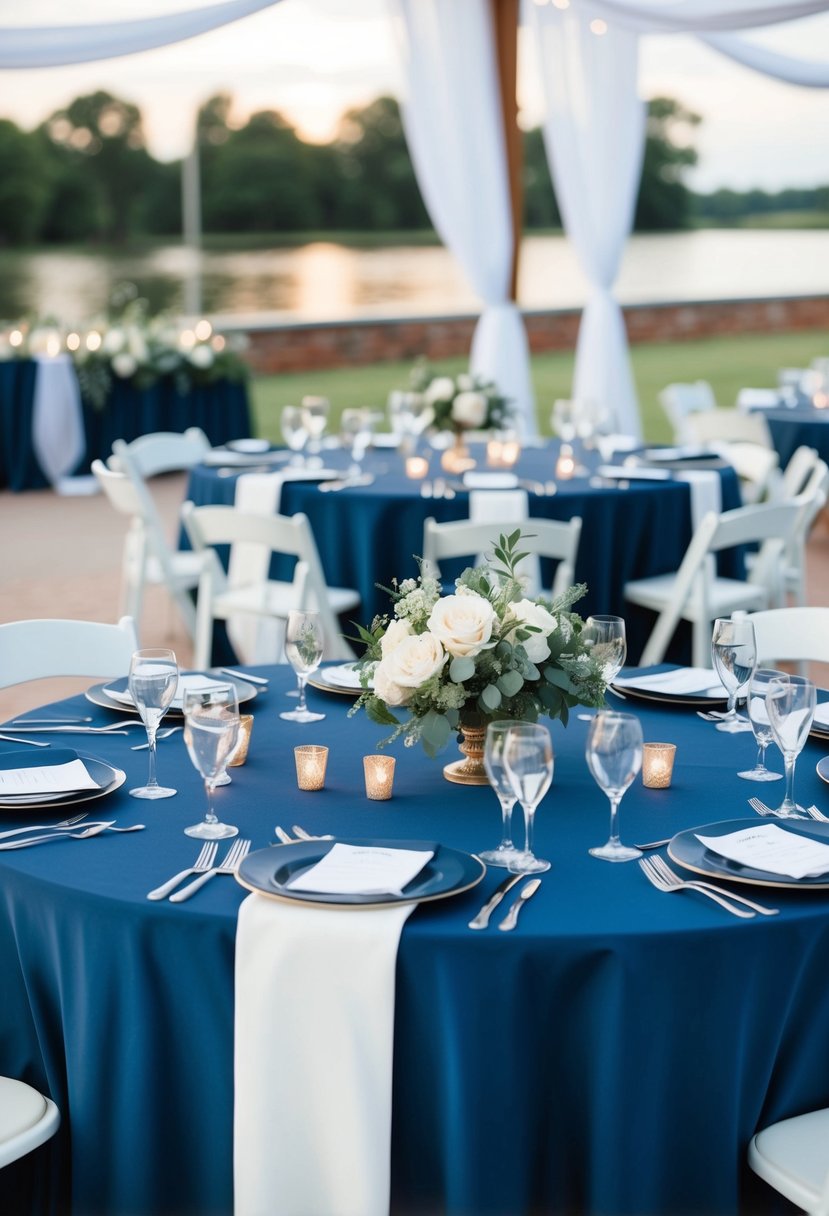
(682, 681)
(821, 717)
(46, 779)
(758, 399)
(773, 849)
(314, 1031)
(706, 492)
(58, 435)
(621, 472)
(506, 507)
(345, 675)
(185, 682)
(490, 481)
(255, 639)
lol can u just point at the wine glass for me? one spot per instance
(758, 716)
(528, 761)
(211, 731)
(153, 680)
(614, 757)
(605, 638)
(506, 852)
(790, 702)
(562, 419)
(734, 652)
(294, 432)
(303, 648)
(315, 412)
(355, 434)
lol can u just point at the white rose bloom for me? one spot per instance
(441, 389)
(415, 660)
(202, 356)
(527, 612)
(469, 409)
(124, 365)
(114, 340)
(386, 689)
(394, 635)
(465, 382)
(463, 624)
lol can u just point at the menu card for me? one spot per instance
(773, 849)
(682, 681)
(348, 869)
(46, 779)
(186, 682)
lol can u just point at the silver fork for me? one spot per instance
(301, 834)
(653, 876)
(164, 733)
(234, 857)
(203, 862)
(760, 807)
(44, 827)
(670, 875)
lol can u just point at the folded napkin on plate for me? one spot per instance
(348, 869)
(772, 849)
(314, 1031)
(490, 481)
(623, 472)
(681, 681)
(60, 772)
(344, 675)
(822, 714)
(185, 683)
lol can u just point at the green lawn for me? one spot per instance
(728, 363)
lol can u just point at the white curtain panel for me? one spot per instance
(805, 72)
(704, 16)
(451, 108)
(594, 133)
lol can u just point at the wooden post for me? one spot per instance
(505, 25)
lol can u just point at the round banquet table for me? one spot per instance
(612, 1055)
(794, 428)
(369, 535)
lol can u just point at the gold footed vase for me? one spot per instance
(469, 771)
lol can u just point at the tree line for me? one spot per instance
(85, 175)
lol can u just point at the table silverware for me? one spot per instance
(482, 919)
(93, 829)
(283, 836)
(662, 884)
(203, 862)
(526, 892)
(44, 827)
(811, 811)
(260, 681)
(164, 733)
(234, 857)
(301, 834)
(20, 739)
(48, 721)
(653, 844)
(661, 867)
(69, 730)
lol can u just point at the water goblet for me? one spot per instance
(315, 412)
(506, 851)
(734, 653)
(211, 731)
(562, 419)
(528, 761)
(605, 638)
(614, 757)
(758, 716)
(294, 432)
(790, 701)
(303, 649)
(153, 680)
(355, 435)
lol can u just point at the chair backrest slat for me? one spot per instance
(41, 649)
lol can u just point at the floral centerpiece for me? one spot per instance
(486, 652)
(460, 403)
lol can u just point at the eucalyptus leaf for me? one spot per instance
(461, 669)
(510, 683)
(490, 697)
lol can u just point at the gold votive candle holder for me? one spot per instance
(510, 451)
(379, 774)
(240, 752)
(658, 765)
(416, 467)
(566, 463)
(494, 453)
(311, 760)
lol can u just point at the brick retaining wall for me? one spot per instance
(298, 346)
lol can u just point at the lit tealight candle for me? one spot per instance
(566, 464)
(658, 765)
(240, 752)
(379, 773)
(510, 451)
(310, 766)
(416, 467)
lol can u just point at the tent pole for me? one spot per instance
(505, 15)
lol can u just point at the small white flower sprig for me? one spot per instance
(460, 403)
(484, 652)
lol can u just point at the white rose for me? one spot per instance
(137, 346)
(124, 365)
(114, 340)
(386, 689)
(201, 356)
(415, 660)
(469, 409)
(527, 612)
(465, 382)
(441, 389)
(463, 624)
(394, 635)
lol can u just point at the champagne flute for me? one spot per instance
(614, 757)
(303, 648)
(211, 731)
(528, 761)
(734, 653)
(506, 851)
(294, 432)
(758, 716)
(605, 638)
(153, 680)
(790, 702)
(315, 418)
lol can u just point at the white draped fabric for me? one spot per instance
(805, 72)
(454, 127)
(704, 16)
(58, 435)
(594, 133)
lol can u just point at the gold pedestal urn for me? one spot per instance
(469, 771)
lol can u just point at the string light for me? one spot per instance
(597, 26)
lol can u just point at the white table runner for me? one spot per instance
(706, 492)
(58, 435)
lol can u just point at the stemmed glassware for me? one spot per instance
(506, 851)
(303, 648)
(153, 680)
(614, 757)
(605, 636)
(315, 412)
(294, 432)
(734, 653)
(758, 716)
(211, 731)
(528, 761)
(355, 435)
(790, 702)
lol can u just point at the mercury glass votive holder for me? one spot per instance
(566, 463)
(240, 752)
(311, 761)
(658, 765)
(379, 774)
(416, 467)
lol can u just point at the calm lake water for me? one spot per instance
(324, 281)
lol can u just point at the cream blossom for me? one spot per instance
(440, 389)
(469, 409)
(527, 612)
(202, 356)
(414, 661)
(395, 633)
(386, 689)
(463, 624)
(124, 365)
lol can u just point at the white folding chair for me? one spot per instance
(695, 593)
(42, 649)
(163, 451)
(147, 558)
(549, 538)
(813, 495)
(290, 535)
(791, 635)
(791, 1156)
(744, 440)
(680, 401)
(795, 476)
(27, 1120)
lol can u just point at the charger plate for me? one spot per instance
(692, 854)
(330, 679)
(688, 700)
(98, 694)
(268, 871)
(107, 776)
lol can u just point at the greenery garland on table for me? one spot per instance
(459, 403)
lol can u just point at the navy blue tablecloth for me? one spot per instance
(792, 428)
(611, 1056)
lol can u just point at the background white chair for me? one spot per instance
(744, 440)
(269, 598)
(792, 1157)
(813, 494)
(696, 594)
(163, 451)
(791, 635)
(38, 650)
(543, 537)
(680, 401)
(27, 1120)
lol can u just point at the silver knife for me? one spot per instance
(511, 918)
(482, 919)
